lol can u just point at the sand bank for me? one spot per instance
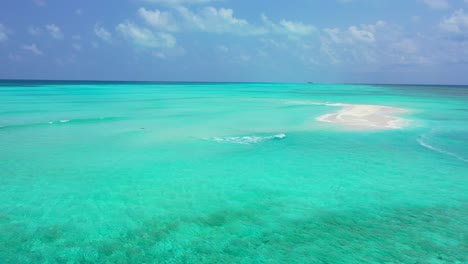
(366, 117)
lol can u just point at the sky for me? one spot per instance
(333, 41)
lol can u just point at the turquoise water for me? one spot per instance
(229, 173)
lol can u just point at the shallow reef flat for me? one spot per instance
(366, 117)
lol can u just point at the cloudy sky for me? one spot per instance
(366, 41)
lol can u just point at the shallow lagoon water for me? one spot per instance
(230, 173)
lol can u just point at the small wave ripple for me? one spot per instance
(422, 140)
(63, 122)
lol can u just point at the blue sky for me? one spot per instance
(366, 41)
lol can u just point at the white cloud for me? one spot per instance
(145, 37)
(158, 19)
(290, 28)
(221, 20)
(79, 11)
(457, 23)
(32, 48)
(437, 4)
(334, 34)
(34, 31)
(298, 28)
(3, 33)
(363, 33)
(54, 31)
(102, 33)
(372, 45)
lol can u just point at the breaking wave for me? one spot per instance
(246, 140)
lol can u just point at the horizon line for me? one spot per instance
(215, 82)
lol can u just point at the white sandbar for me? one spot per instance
(366, 117)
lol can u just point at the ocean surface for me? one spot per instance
(230, 173)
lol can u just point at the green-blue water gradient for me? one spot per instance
(202, 173)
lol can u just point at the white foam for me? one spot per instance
(335, 104)
(245, 140)
(306, 102)
(59, 121)
(279, 136)
(423, 143)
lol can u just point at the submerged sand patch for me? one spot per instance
(366, 117)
